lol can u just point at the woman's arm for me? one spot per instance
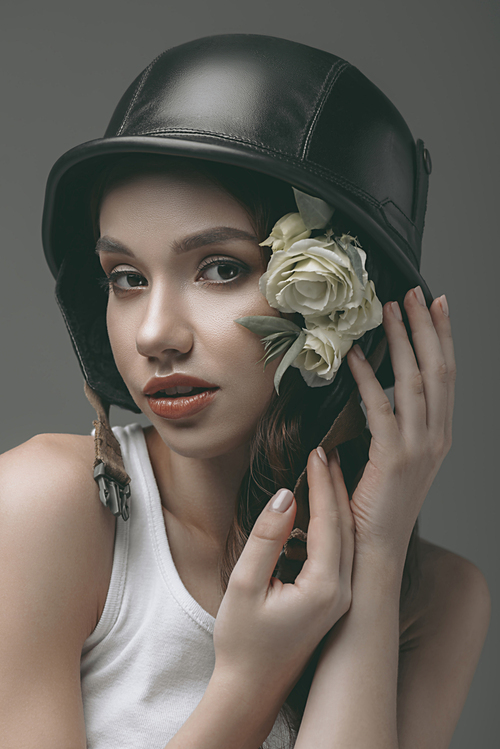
(56, 545)
(361, 696)
(352, 701)
(358, 698)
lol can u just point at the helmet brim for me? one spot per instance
(77, 169)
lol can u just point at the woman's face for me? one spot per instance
(184, 264)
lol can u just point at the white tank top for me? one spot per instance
(148, 662)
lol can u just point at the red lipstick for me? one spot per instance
(166, 401)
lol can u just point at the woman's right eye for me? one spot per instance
(124, 280)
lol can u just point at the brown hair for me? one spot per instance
(288, 429)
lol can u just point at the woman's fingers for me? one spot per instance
(347, 520)
(424, 374)
(266, 628)
(330, 534)
(382, 422)
(440, 316)
(409, 397)
(431, 361)
(324, 533)
(258, 559)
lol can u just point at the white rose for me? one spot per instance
(321, 356)
(313, 277)
(289, 229)
(355, 321)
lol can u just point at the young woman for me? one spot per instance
(186, 597)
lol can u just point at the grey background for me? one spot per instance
(64, 66)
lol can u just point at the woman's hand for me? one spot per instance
(409, 444)
(266, 630)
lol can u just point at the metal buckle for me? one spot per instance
(112, 494)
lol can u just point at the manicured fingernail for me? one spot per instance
(282, 500)
(322, 455)
(420, 296)
(444, 305)
(358, 352)
(396, 311)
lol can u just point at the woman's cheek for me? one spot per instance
(121, 333)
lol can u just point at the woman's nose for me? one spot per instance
(164, 327)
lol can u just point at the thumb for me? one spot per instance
(258, 559)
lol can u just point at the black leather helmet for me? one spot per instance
(274, 106)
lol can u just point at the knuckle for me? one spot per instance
(441, 372)
(334, 517)
(444, 444)
(329, 589)
(328, 593)
(324, 603)
(416, 383)
(342, 602)
(384, 408)
(241, 583)
(438, 447)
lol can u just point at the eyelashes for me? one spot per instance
(112, 280)
(229, 265)
(228, 270)
(104, 282)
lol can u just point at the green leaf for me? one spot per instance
(353, 255)
(288, 338)
(289, 357)
(276, 343)
(271, 346)
(277, 349)
(263, 325)
(275, 338)
(269, 339)
(280, 346)
(315, 213)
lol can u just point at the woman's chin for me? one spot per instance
(197, 442)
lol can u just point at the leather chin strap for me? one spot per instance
(114, 482)
(109, 471)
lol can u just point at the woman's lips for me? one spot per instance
(171, 405)
(155, 384)
(180, 406)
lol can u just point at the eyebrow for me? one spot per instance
(212, 236)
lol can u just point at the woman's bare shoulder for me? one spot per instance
(47, 446)
(445, 629)
(54, 528)
(453, 596)
(49, 475)
(443, 569)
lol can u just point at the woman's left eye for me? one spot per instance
(221, 271)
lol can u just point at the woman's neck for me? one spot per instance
(197, 494)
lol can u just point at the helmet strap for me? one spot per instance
(109, 471)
